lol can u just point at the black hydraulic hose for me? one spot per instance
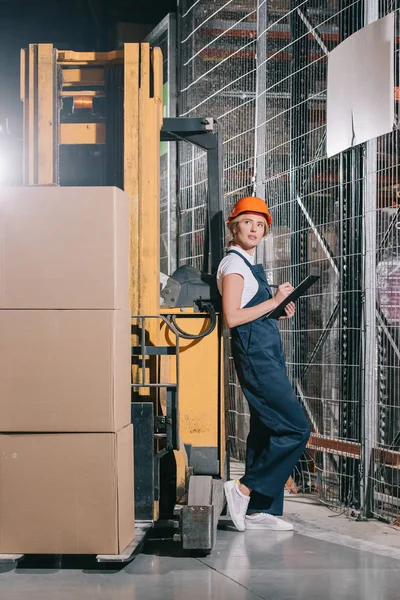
(192, 336)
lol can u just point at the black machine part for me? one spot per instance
(187, 286)
(190, 288)
(205, 133)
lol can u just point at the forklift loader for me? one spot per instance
(95, 118)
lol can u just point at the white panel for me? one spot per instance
(360, 99)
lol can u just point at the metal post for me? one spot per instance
(164, 35)
(369, 224)
(215, 167)
(298, 158)
(261, 86)
(350, 313)
(40, 97)
(260, 107)
(172, 150)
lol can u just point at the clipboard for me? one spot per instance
(279, 311)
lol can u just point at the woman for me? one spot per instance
(278, 427)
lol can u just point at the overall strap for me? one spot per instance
(248, 263)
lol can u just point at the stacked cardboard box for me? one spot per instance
(66, 449)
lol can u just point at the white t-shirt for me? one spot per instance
(232, 263)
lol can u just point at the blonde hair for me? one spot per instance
(239, 219)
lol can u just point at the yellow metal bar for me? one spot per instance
(149, 188)
(81, 77)
(23, 94)
(148, 223)
(157, 64)
(22, 75)
(222, 407)
(31, 130)
(45, 114)
(67, 57)
(131, 160)
(144, 71)
(76, 93)
(82, 133)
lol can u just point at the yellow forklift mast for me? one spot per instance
(95, 118)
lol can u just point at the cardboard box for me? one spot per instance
(64, 248)
(66, 493)
(65, 370)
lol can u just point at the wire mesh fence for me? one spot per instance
(316, 206)
(218, 79)
(260, 68)
(384, 478)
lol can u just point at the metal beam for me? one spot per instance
(306, 405)
(204, 134)
(164, 35)
(82, 133)
(131, 160)
(190, 129)
(371, 14)
(299, 157)
(321, 340)
(215, 204)
(47, 113)
(320, 239)
(314, 31)
(261, 107)
(82, 77)
(350, 449)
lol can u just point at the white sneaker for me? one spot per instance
(237, 504)
(266, 521)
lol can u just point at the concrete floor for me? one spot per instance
(312, 519)
(243, 566)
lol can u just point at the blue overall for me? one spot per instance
(279, 430)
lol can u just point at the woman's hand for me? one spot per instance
(290, 309)
(283, 292)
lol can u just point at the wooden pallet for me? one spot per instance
(142, 528)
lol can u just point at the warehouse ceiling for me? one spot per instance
(139, 11)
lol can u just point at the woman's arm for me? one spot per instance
(232, 289)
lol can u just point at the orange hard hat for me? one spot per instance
(250, 204)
